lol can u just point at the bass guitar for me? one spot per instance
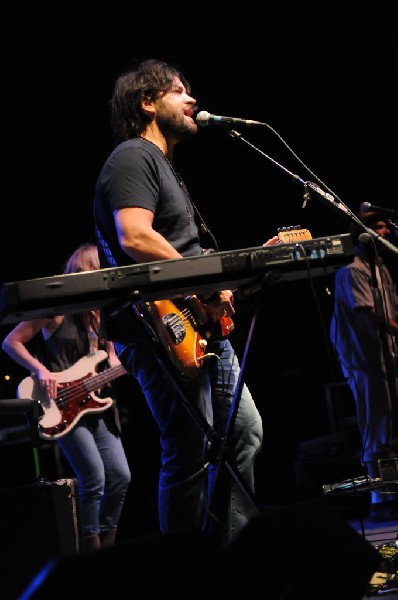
(75, 397)
(183, 327)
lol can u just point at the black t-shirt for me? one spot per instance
(137, 174)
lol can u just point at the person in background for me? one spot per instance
(143, 212)
(389, 218)
(363, 331)
(92, 445)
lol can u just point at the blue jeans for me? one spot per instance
(95, 452)
(188, 415)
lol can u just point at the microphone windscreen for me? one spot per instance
(202, 118)
(365, 206)
(364, 238)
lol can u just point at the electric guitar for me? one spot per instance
(75, 396)
(184, 328)
(289, 235)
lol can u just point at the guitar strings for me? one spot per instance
(73, 392)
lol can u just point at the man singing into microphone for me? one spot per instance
(364, 332)
(144, 213)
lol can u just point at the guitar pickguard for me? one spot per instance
(184, 330)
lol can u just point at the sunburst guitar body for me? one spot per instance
(184, 328)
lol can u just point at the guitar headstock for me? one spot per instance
(293, 234)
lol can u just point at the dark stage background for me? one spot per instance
(327, 87)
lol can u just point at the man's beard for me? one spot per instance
(171, 128)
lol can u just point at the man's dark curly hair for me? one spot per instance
(150, 79)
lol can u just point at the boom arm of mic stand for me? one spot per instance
(313, 188)
(237, 135)
(308, 186)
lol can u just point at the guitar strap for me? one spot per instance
(207, 239)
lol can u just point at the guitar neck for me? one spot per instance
(101, 379)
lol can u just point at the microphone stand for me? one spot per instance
(216, 453)
(222, 458)
(311, 190)
(371, 255)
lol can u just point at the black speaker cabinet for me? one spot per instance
(38, 522)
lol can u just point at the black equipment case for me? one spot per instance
(40, 520)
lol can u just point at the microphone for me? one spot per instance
(364, 239)
(203, 118)
(366, 206)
